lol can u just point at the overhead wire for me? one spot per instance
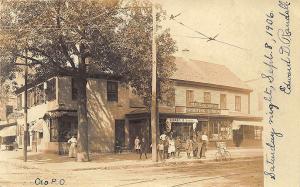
(204, 35)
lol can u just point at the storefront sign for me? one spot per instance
(202, 110)
(205, 105)
(182, 120)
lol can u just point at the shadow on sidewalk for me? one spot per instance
(41, 158)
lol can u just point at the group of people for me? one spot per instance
(170, 147)
(196, 145)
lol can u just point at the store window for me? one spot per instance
(182, 130)
(249, 132)
(238, 103)
(112, 91)
(225, 132)
(207, 97)
(189, 97)
(53, 131)
(220, 130)
(67, 129)
(214, 130)
(74, 89)
(19, 102)
(223, 101)
(257, 133)
(51, 89)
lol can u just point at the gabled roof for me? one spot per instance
(207, 73)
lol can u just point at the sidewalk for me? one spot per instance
(53, 162)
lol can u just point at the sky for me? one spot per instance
(237, 22)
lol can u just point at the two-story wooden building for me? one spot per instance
(208, 97)
(52, 113)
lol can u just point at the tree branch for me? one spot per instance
(55, 63)
(65, 51)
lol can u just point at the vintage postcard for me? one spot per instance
(149, 93)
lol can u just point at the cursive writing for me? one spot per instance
(270, 156)
(284, 35)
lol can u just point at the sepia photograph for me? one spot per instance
(149, 93)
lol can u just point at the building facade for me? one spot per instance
(208, 98)
(52, 113)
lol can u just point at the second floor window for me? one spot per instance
(51, 89)
(112, 91)
(19, 102)
(207, 97)
(40, 94)
(74, 89)
(223, 101)
(238, 103)
(31, 97)
(189, 97)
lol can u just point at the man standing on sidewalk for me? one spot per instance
(143, 148)
(199, 144)
(160, 148)
(204, 144)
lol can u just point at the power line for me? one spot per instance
(172, 17)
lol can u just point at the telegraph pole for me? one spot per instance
(154, 86)
(25, 111)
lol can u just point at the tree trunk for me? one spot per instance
(82, 146)
(83, 142)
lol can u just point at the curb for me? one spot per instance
(162, 164)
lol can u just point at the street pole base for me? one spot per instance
(82, 157)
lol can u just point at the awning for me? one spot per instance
(236, 124)
(8, 131)
(38, 126)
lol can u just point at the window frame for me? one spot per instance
(223, 103)
(206, 97)
(74, 88)
(112, 95)
(189, 97)
(53, 127)
(238, 103)
(51, 89)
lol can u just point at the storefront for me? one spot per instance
(8, 134)
(218, 128)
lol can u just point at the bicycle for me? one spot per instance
(222, 152)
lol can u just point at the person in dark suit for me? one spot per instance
(143, 147)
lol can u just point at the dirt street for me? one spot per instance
(247, 172)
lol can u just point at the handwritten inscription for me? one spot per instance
(45, 182)
(276, 47)
(284, 36)
(270, 158)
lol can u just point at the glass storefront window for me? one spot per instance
(220, 130)
(257, 133)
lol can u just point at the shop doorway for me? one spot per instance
(120, 132)
(140, 128)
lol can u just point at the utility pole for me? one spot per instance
(25, 111)
(154, 89)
